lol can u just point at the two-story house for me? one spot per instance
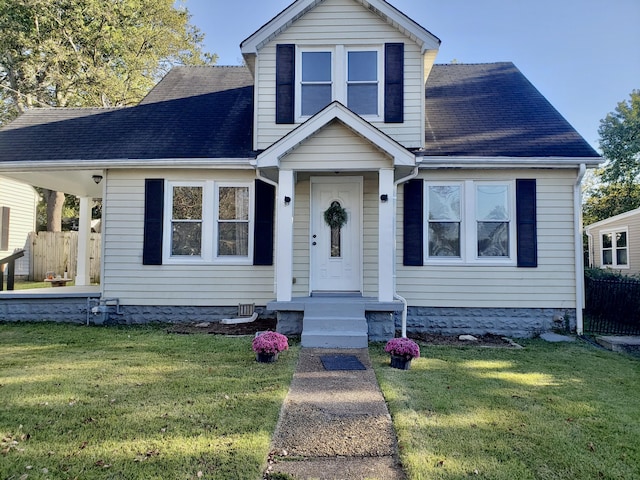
(340, 179)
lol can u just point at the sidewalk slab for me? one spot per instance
(335, 424)
(618, 343)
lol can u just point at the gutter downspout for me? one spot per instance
(577, 219)
(412, 175)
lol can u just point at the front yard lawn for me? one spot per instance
(549, 411)
(134, 403)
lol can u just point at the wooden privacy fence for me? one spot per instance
(57, 251)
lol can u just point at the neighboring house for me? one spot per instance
(614, 243)
(462, 198)
(18, 207)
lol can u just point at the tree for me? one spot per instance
(615, 189)
(620, 141)
(607, 200)
(88, 53)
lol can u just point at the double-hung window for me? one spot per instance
(444, 209)
(615, 249)
(363, 86)
(233, 221)
(470, 222)
(316, 81)
(186, 220)
(209, 221)
(493, 217)
(351, 76)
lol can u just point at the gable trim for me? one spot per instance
(391, 15)
(335, 111)
(615, 218)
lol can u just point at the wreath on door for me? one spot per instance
(335, 216)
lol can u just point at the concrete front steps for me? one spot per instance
(334, 325)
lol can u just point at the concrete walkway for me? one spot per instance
(335, 424)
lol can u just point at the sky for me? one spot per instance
(582, 55)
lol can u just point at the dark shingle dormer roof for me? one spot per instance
(492, 110)
(194, 112)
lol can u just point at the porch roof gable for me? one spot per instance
(272, 156)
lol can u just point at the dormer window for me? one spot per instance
(316, 82)
(369, 80)
(362, 82)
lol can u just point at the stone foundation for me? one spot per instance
(509, 322)
(62, 310)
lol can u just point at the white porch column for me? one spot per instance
(284, 235)
(386, 235)
(83, 276)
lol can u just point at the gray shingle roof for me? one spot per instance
(194, 112)
(207, 112)
(493, 110)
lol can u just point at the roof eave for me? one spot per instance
(116, 163)
(440, 162)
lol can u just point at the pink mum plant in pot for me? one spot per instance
(402, 351)
(268, 345)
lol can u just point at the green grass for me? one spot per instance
(134, 403)
(549, 411)
(27, 285)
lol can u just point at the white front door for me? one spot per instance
(336, 253)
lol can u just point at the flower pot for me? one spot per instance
(400, 362)
(266, 357)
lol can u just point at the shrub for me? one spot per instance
(403, 347)
(270, 342)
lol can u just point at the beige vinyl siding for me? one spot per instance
(22, 200)
(632, 224)
(301, 232)
(124, 277)
(334, 148)
(340, 22)
(550, 285)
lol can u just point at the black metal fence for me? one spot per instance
(612, 306)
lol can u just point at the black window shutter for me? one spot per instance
(394, 83)
(4, 228)
(265, 202)
(526, 223)
(285, 83)
(413, 223)
(153, 212)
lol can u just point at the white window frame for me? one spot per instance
(468, 225)
(339, 75)
(380, 79)
(614, 256)
(298, 79)
(216, 221)
(209, 235)
(439, 259)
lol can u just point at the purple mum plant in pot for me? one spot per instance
(268, 345)
(402, 351)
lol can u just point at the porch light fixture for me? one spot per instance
(97, 178)
(287, 200)
(384, 198)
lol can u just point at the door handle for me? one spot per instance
(314, 243)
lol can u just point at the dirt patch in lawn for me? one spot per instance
(215, 328)
(263, 324)
(482, 340)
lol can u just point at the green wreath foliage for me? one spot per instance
(335, 216)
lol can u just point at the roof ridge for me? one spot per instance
(209, 66)
(506, 62)
(66, 109)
